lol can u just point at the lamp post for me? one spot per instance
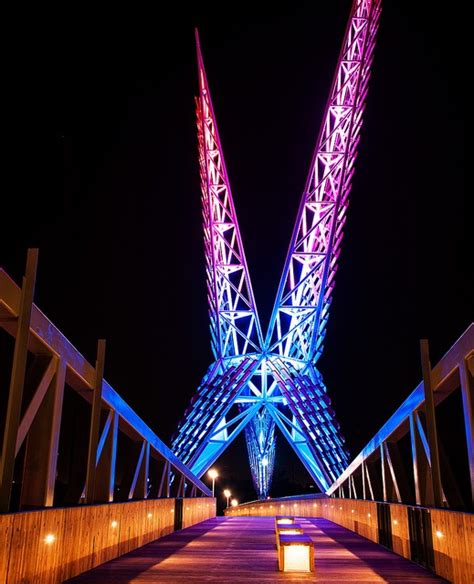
(213, 474)
(234, 502)
(227, 495)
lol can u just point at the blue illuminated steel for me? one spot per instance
(258, 384)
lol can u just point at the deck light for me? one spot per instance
(50, 538)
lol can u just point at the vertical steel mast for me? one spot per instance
(261, 385)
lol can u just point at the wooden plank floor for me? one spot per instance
(238, 550)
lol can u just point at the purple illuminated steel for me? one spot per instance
(255, 384)
(299, 318)
(235, 327)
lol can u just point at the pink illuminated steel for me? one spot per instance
(298, 323)
(235, 327)
(255, 385)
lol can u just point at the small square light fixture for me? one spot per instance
(439, 534)
(114, 524)
(50, 538)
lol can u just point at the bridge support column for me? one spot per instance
(95, 423)
(17, 380)
(431, 424)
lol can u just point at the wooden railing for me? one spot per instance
(53, 545)
(35, 409)
(444, 544)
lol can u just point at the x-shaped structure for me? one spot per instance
(257, 382)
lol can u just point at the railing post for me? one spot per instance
(17, 380)
(468, 408)
(431, 423)
(95, 422)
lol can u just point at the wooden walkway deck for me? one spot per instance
(238, 550)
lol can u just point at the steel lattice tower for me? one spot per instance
(258, 382)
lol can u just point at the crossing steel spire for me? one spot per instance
(235, 328)
(258, 384)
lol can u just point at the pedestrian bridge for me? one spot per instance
(390, 505)
(238, 550)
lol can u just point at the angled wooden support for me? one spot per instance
(466, 378)
(95, 422)
(105, 467)
(139, 486)
(369, 482)
(47, 374)
(181, 487)
(431, 423)
(421, 462)
(41, 456)
(17, 380)
(427, 458)
(164, 490)
(403, 485)
(106, 459)
(354, 492)
(394, 491)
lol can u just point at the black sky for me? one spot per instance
(101, 174)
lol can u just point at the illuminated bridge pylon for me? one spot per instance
(257, 382)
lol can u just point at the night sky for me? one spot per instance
(101, 174)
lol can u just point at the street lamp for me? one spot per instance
(234, 502)
(213, 474)
(227, 495)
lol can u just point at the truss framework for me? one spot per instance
(259, 383)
